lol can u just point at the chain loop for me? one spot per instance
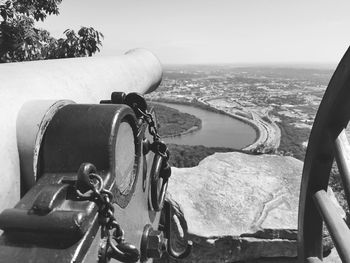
(90, 186)
(161, 170)
(159, 147)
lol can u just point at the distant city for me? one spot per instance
(288, 97)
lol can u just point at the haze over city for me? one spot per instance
(225, 31)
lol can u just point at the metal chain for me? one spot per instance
(151, 124)
(116, 245)
(159, 146)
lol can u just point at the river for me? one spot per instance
(218, 130)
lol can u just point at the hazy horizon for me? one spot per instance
(223, 32)
(305, 65)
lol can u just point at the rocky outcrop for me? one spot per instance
(239, 207)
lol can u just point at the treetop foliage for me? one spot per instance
(21, 41)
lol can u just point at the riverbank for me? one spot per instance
(267, 131)
(188, 131)
(173, 123)
(218, 130)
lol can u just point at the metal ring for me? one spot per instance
(157, 195)
(123, 251)
(100, 181)
(86, 196)
(108, 193)
(92, 192)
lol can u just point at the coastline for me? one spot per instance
(268, 133)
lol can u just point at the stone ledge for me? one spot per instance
(240, 207)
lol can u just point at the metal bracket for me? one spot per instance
(50, 208)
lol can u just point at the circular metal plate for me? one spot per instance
(125, 155)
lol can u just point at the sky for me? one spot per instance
(215, 31)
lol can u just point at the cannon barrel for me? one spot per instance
(82, 80)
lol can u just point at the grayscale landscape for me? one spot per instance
(175, 131)
(286, 96)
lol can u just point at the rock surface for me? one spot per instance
(239, 206)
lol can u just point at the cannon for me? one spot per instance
(84, 169)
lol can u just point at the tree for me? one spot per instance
(21, 41)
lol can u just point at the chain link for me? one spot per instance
(161, 170)
(97, 193)
(90, 186)
(159, 146)
(152, 129)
